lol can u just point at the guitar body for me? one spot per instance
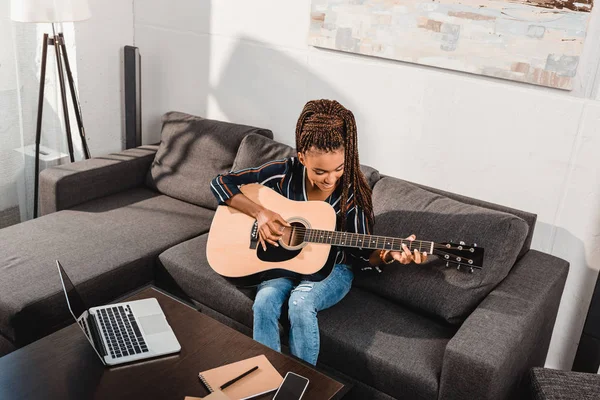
(234, 252)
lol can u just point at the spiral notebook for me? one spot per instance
(264, 380)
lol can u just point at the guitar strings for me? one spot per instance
(337, 235)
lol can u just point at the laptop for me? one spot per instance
(123, 332)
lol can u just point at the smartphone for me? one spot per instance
(292, 387)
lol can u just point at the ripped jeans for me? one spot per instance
(305, 300)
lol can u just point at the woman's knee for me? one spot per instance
(301, 308)
(267, 303)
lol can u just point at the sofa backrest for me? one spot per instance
(192, 151)
(402, 208)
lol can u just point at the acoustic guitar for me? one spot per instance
(234, 252)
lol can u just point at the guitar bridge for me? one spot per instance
(254, 236)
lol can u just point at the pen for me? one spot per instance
(223, 386)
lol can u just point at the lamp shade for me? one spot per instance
(49, 10)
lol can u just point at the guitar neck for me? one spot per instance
(346, 239)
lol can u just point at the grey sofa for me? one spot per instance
(551, 384)
(413, 332)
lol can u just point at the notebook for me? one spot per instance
(265, 379)
(213, 396)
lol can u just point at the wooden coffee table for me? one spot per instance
(64, 366)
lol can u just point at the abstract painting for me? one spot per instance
(533, 41)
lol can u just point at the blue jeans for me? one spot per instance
(305, 300)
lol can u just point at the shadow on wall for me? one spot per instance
(266, 87)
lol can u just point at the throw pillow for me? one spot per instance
(402, 209)
(192, 151)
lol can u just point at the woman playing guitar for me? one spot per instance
(327, 168)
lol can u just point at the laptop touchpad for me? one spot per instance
(152, 324)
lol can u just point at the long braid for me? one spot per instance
(326, 125)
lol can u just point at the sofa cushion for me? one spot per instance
(402, 209)
(394, 350)
(107, 246)
(256, 150)
(192, 151)
(384, 345)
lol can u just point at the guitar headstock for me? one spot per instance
(463, 256)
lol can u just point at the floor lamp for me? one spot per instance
(54, 11)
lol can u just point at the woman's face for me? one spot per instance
(323, 169)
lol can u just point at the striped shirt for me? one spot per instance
(288, 178)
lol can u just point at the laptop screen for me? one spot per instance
(74, 300)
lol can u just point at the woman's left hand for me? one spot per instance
(406, 256)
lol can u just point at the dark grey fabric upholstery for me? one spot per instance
(192, 151)
(256, 150)
(508, 333)
(550, 384)
(107, 246)
(528, 217)
(5, 346)
(401, 209)
(384, 345)
(375, 345)
(65, 186)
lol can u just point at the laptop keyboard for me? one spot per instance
(121, 331)
(85, 327)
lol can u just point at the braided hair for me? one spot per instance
(327, 125)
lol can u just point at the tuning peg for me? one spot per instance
(471, 270)
(461, 243)
(474, 244)
(458, 267)
(447, 264)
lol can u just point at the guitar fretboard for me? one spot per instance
(347, 239)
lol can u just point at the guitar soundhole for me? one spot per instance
(289, 246)
(295, 236)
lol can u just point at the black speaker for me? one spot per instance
(587, 358)
(133, 97)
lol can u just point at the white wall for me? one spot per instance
(521, 146)
(100, 41)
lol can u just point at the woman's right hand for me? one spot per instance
(270, 227)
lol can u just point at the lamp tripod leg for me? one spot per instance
(74, 99)
(38, 129)
(63, 96)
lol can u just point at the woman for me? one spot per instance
(327, 168)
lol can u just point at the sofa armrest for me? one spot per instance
(65, 186)
(507, 334)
